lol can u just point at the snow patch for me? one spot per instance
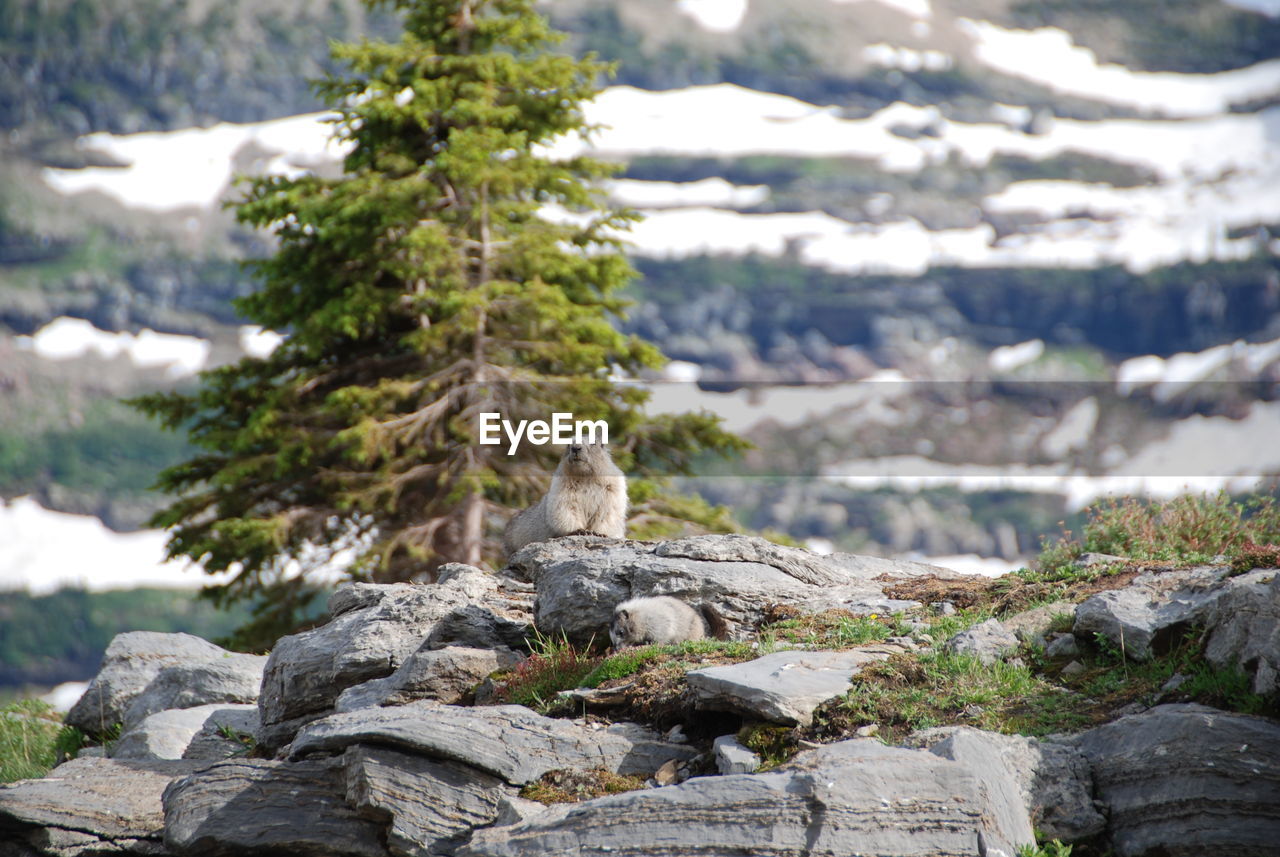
(716, 16)
(257, 342)
(1074, 432)
(1270, 8)
(715, 192)
(45, 551)
(1049, 57)
(1009, 357)
(193, 168)
(1169, 376)
(69, 338)
(906, 59)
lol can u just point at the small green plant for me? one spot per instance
(553, 665)
(571, 786)
(29, 733)
(229, 733)
(1048, 849)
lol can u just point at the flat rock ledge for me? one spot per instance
(89, 806)
(508, 741)
(784, 687)
(581, 579)
(854, 797)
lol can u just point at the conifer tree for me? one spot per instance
(424, 287)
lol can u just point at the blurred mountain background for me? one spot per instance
(957, 267)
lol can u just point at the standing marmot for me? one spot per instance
(663, 620)
(588, 494)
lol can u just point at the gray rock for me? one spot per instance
(257, 806)
(167, 734)
(431, 805)
(988, 641)
(1062, 646)
(1184, 780)
(446, 675)
(130, 663)
(733, 758)
(1033, 626)
(855, 797)
(581, 579)
(784, 687)
(211, 742)
(514, 810)
(508, 741)
(228, 677)
(1245, 625)
(1054, 781)
(373, 630)
(1149, 614)
(1074, 668)
(89, 806)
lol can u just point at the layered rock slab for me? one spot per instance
(855, 797)
(89, 806)
(1187, 780)
(581, 579)
(168, 734)
(260, 806)
(1054, 780)
(784, 687)
(508, 741)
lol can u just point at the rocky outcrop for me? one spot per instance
(854, 797)
(377, 751)
(785, 687)
(581, 579)
(1187, 780)
(373, 630)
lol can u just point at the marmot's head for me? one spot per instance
(623, 630)
(585, 458)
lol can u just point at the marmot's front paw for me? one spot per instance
(588, 533)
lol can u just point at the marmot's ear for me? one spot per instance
(621, 614)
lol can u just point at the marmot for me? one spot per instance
(663, 620)
(588, 494)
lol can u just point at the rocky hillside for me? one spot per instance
(862, 705)
(1044, 229)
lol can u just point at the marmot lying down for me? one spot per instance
(662, 620)
(588, 494)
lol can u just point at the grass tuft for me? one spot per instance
(33, 740)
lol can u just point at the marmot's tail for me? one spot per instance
(716, 625)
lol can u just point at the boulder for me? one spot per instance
(229, 677)
(447, 675)
(987, 641)
(167, 734)
(1183, 780)
(1054, 780)
(1149, 614)
(854, 797)
(260, 806)
(784, 687)
(432, 806)
(581, 579)
(1245, 629)
(1033, 626)
(373, 630)
(508, 741)
(89, 806)
(131, 662)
